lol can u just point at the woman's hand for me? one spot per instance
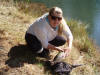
(67, 51)
(52, 47)
(60, 49)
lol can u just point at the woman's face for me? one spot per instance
(55, 19)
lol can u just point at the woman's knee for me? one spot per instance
(58, 41)
(33, 43)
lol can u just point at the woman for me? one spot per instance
(46, 33)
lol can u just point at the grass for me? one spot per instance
(15, 56)
(84, 44)
(81, 39)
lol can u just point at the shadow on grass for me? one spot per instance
(48, 68)
(18, 55)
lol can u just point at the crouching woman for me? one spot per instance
(46, 33)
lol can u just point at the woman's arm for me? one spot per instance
(68, 34)
(52, 47)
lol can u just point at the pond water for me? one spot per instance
(87, 11)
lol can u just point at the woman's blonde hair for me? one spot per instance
(58, 11)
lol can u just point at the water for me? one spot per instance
(87, 11)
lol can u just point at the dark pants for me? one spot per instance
(36, 45)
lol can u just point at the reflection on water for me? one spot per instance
(85, 10)
(96, 29)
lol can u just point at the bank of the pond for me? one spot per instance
(20, 61)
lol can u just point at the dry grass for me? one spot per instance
(17, 59)
(88, 51)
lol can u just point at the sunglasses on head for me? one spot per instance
(55, 17)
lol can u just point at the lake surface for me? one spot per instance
(87, 11)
